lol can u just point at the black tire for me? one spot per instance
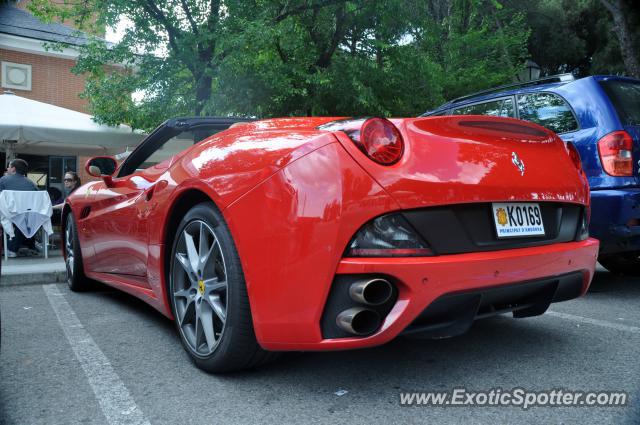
(627, 263)
(76, 278)
(236, 347)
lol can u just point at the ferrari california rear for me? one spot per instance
(327, 234)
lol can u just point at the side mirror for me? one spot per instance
(103, 167)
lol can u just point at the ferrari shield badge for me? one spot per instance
(517, 162)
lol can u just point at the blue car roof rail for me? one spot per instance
(560, 78)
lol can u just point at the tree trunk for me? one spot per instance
(203, 92)
(379, 53)
(630, 54)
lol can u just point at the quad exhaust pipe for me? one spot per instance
(371, 291)
(359, 321)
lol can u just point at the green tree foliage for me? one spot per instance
(323, 57)
(581, 36)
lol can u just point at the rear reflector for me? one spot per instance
(390, 252)
(616, 153)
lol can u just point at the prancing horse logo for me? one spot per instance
(517, 162)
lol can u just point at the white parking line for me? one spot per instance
(587, 320)
(115, 401)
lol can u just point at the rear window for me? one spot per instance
(498, 108)
(625, 97)
(548, 110)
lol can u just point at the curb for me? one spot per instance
(33, 278)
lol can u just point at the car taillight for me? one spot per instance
(616, 153)
(388, 236)
(380, 140)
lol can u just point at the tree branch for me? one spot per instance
(172, 31)
(214, 15)
(187, 12)
(338, 35)
(156, 13)
(610, 7)
(303, 8)
(281, 53)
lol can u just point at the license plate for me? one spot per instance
(517, 219)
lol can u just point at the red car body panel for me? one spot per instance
(294, 196)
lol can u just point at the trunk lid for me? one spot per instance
(466, 159)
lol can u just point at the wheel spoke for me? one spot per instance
(203, 246)
(213, 285)
(69, 232)
(184, 293)
(184, 262)
(188, 310)
(198, 326)
(68, 241)
(192, 252)
(217, 307)
(206, 320)
(204, 259)
(70, 265)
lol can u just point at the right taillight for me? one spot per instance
(616, 153)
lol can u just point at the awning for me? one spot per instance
(44, 129)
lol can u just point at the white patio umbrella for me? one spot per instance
(40, 128)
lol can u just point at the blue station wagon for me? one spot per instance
(600, 115)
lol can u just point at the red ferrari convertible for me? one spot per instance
(326, 234)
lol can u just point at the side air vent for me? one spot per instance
(85, 212)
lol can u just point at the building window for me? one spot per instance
(16, 76)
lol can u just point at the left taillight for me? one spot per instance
(615, 151)
(388, 236)
(380, 140)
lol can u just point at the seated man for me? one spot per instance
(16, 179)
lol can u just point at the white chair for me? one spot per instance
(30, 211)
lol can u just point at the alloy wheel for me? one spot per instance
(69, 248)
(199, 287)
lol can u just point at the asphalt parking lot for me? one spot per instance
(105, 357)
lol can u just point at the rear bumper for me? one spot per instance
(422, 281)
(615, 220)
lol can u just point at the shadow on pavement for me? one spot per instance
(606, 282)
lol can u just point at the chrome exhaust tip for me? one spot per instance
(358, 321)
(371, 291)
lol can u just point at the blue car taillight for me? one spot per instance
(388, 236)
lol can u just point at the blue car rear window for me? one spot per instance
(548, 110)
(499, 108)
(625, 96)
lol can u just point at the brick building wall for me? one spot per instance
(51, 80)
